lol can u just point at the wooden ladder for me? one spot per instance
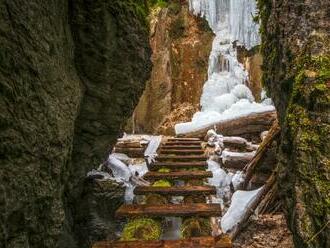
(181, 159)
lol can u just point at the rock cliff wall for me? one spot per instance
(296, 66)
(181, 45)
(70, 73)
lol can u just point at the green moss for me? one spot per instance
(310, 135)
(164, 170)
(195, 227)
(162, 183)
(142, 229)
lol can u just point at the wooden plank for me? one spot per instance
(199, 242)
(183, 147)
(177, 175)
(245, 125)
(183, 142)
(181, 152)
(177, 165)
(181, 158)
(176, 191)
(184, 139)
(169, 210)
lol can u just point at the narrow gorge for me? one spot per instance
(164, 123)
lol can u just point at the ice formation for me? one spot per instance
(225, 95)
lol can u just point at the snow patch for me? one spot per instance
(241, 202)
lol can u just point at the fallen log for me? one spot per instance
(260, 154)
(241, 126)
(236, 160)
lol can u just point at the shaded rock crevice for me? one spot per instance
(70, 75)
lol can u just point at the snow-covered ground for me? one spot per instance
(225, 95)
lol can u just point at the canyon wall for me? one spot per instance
(296, 51)
(181, 45)
(71, 72)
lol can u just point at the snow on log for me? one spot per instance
(236, 160)
(240, 126)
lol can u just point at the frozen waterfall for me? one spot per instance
(225, 95)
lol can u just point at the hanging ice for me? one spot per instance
(225, 95)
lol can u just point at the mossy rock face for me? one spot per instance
(142, 229)
(195, 227)
(162, 183)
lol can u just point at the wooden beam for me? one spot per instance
(169, 210)
(176, 191)
(181, 152)
(177, 165)
(183, 142)
(200, 242)
(260, 154)
(177, 175)
(184, 139)
(183, 147)
(182, 158)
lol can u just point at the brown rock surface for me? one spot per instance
(181, 45)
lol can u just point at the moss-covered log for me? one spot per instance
(295, 46)
(142, 229)
(195, 227)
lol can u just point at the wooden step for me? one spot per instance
(184, 139)
(169, 210)
(183, 142)
(176, 191)
(183, 147)
(181, 152)
(177, 165)
(162, 158)
(199, 242)
(177, 175)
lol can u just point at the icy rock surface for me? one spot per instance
(225, 95)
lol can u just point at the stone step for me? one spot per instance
(198, 242)
(177, 175)
(176, 191)
(181, 152)
(169, 210)
(177, 165)
(162, 158)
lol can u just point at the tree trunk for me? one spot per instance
(295, 47)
